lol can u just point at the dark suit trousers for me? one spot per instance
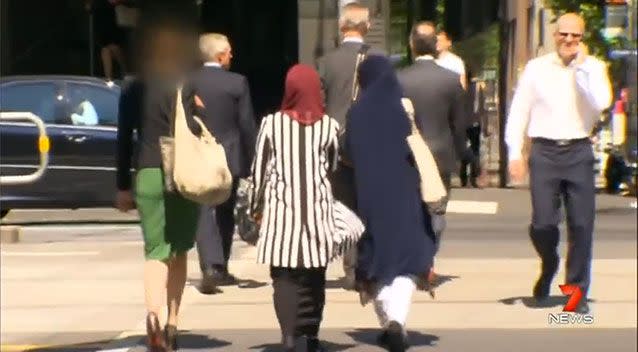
(299, 298)
(438, 217)
(215, 233)
(343, 189)
(563, 172)
(473, 157)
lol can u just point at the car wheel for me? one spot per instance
(3, 213)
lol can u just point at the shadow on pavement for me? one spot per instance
(277, 347)
(241, 283)
(531, 302)
(185, 340)
(415, 338)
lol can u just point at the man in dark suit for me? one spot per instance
(439, 106)
(477, 125)
(337, 70)
(228, 113)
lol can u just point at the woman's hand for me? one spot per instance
(124, 201)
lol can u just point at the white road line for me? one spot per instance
(49, 254)
(472, 207)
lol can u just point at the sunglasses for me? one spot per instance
(574, 35)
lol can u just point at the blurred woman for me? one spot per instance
(395, 253)
(168, 221)
(296, 148)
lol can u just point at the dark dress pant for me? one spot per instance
(215, 233)
(563, 173)
(472, 157)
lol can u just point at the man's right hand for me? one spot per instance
(124, 201)
(517, 170)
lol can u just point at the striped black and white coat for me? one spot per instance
(290, 176)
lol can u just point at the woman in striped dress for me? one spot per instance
(296, 149)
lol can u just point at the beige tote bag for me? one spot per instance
(199, 168)
(432, 187)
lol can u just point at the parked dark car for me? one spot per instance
(80, 114)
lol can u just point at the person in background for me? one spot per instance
(448, 59)
(558, 99)
(337, 70)
(440, 112)
(396, 251)
(109, 37)
(228, 114)
(296, 149)
(477, 125)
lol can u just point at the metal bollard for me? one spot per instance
(43, 148)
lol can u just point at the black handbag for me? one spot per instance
(246, 226)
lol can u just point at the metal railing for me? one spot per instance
(43, 148)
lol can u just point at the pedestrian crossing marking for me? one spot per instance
(472, 207)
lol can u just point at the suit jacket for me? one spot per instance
(440, 110)
(337, 72)
(228, 114)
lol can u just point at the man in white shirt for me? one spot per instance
(447, 59)
(558, 99)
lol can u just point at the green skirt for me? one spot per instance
(169, 221)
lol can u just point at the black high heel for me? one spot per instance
(170, 336)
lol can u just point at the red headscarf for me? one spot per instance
(302, 97)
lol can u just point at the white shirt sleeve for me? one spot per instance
(518, 118)
(460, 67)
(593, 82)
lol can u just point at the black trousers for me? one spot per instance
(438, 215)
(472, 157)
(299, 298)
(215, 233)
(564, 173)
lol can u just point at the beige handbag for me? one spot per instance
(432, 187)
(195, 166)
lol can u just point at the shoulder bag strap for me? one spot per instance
(361, 55)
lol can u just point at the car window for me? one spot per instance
(92, 105)
(39, 98)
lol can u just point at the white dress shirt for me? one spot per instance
(451, 62)
(353, 40)
(212, 64)
(556, 102)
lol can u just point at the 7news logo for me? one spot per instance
(568, 316)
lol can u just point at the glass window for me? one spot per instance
(92, 105)
(39, 98)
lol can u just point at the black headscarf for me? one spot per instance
(398, 240)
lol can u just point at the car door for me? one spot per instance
(90, 138)
(18, 144)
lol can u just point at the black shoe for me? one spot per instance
(208, 285)
(170, 335)
(227, 279)
(583, 307)
(396, 341)
(349, 282)
(544, 282)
